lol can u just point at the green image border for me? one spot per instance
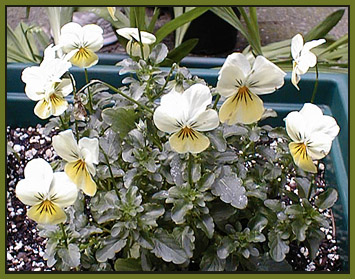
(293, 275)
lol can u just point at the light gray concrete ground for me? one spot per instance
(276, 23)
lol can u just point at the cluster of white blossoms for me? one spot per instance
(184, 115)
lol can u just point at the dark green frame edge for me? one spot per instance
(162, 3)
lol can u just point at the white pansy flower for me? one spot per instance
(82, 43)
(312, 134)
(80, 158)
(44, 84)
(241, 84)
(133, 47)
(46, 192)
(184, 115)
(303, 58)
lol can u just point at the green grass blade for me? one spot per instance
(153, 20)
(323, 28)
(171, 26)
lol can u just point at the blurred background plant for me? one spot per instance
(25, 42)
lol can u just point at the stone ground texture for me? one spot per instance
(275, 23)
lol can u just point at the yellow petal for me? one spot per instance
(244, 107)
(59, 104)
(188, 140)
(84, 58)
(79, 174)
(43, 109)
(47, 213)
(301, 158)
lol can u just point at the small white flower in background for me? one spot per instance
(241, 85)
(312, 134)
(80, 158)
(185, 116)
(82, 43)
(44, 83)
(46, 192)
(133, 47)
(303, 58)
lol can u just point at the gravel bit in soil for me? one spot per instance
(25, 248)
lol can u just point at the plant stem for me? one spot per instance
(315, 86)
(110, 171)
(139, 34)
(75, 121)
(125, 96)
(216, 101)
(311, 187)
(64, 235)
(189, 169)
(166, 82)
(89, 92)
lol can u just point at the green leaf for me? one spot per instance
(217, 140)
(278, 247)
(111, 145)
(71, 255)
(229, 188)
(320, 30)
(274, 205)
(128, 264)
(227, 247)
(211, 262)
(327, 199)
(154, 19)
(206, 182)
(314, 239)
(206, 224)
(121, 120)
(169, 27)
(299, 228)
(178, 53)
(152, 212)
(186, 238)
(179, 210)
(110, 248)
(123, 20)
(265, 263)
(257, 223)
(304, 186)
(168, 248)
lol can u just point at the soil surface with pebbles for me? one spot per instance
(25, 248)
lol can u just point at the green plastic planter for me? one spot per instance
(332, 97)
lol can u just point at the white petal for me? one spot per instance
(295, 78)
(92, 37)
(296, 46)
(197, 97)
(63, 191)
(309, 45)
(38, 177)
(306, 61)
(89, 148)
(235, 68)
(71, 36)
(206, 121)
(65, 87)
(319, 145)
(174, 105)
(265, 77)
(295, 126)
(65, 146)
(129, 33)
(164, 122)
(43, 109)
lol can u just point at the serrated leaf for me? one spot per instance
(278, 247)
(206, 224)
(128, 265)
(152, 212)
(71, 255)
(211, 262)
(230, 190)
(121, 120)
(227, 247)
(217, 140)
(327, 199)
(167, 248)
(206, 182)
(299, 228)
(110, 248)
(186, 238)
(179, 210)
(258, 222)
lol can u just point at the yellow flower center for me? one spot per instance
(243, 94)
(301, 149)
(80, 164)
(82, 53)
(187, 132)
(46, 206)
(55, 100)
